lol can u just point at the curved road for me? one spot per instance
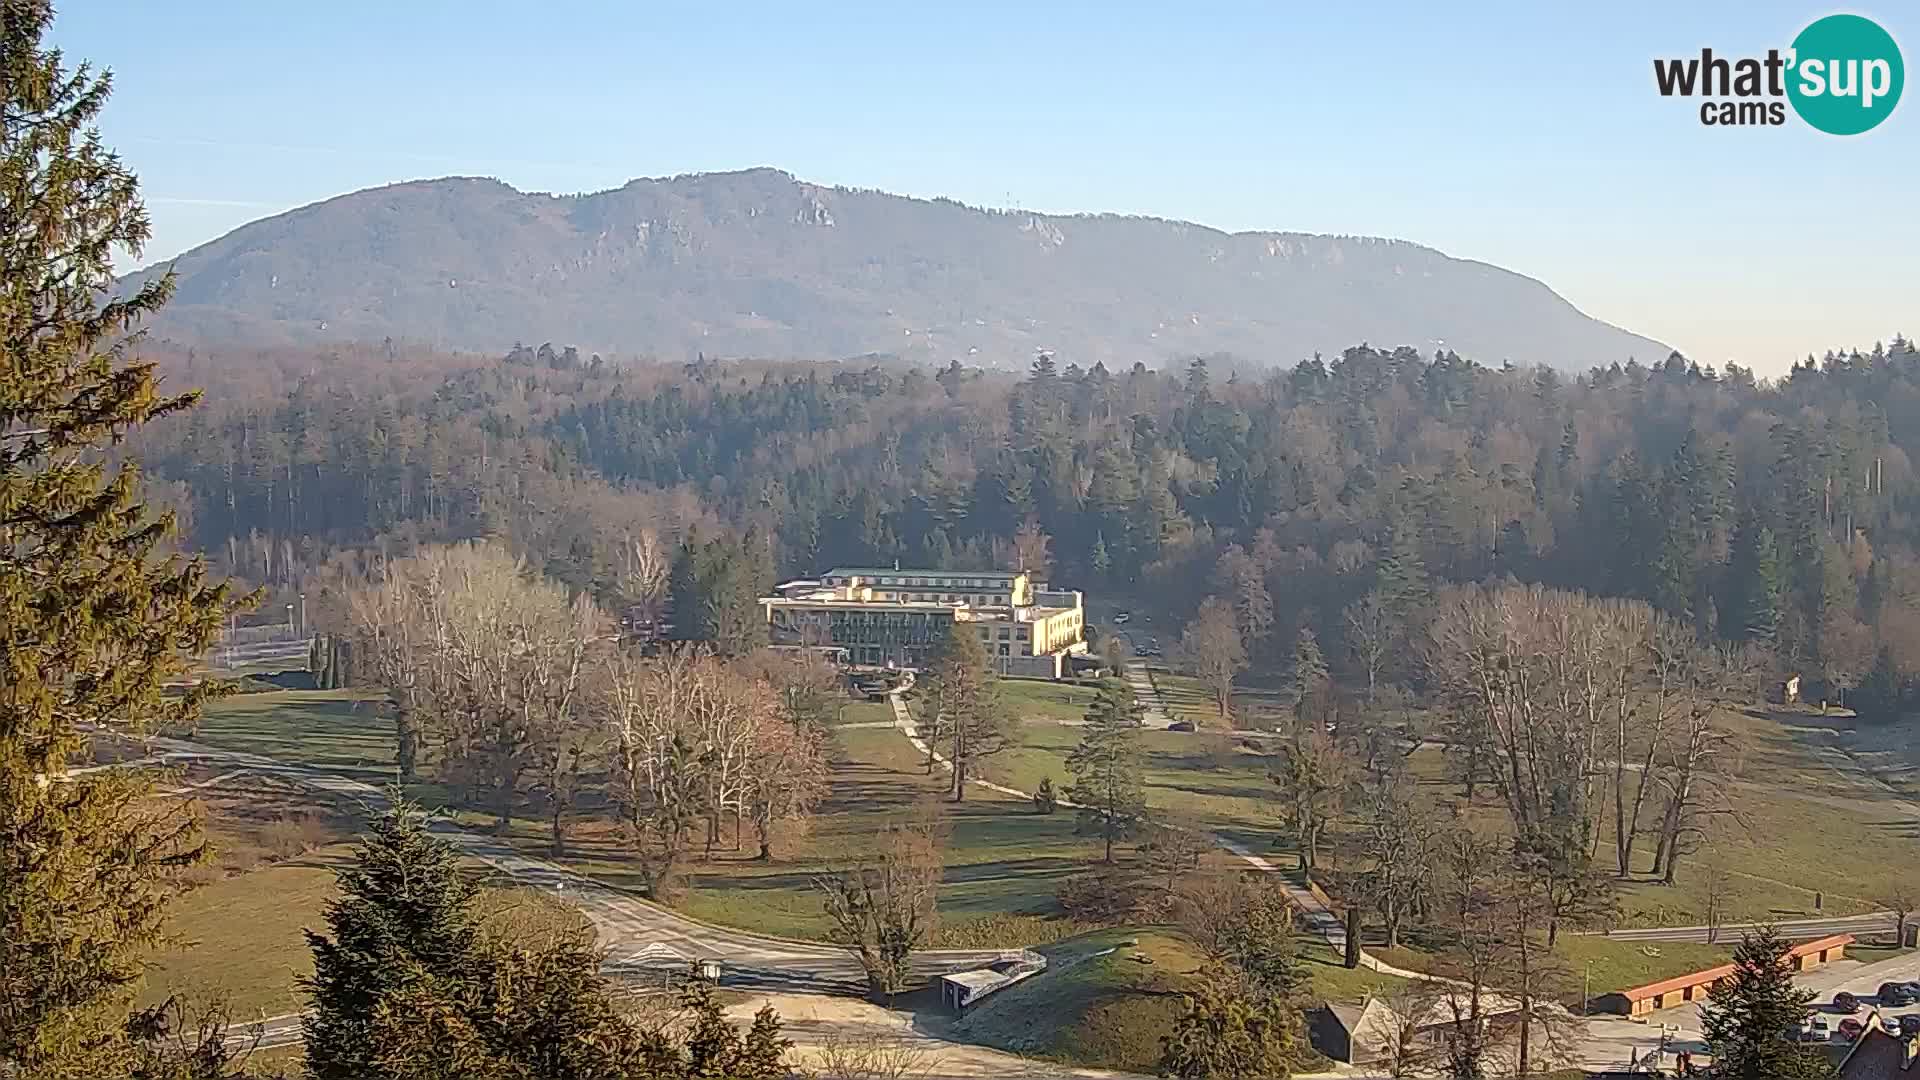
(640, 937)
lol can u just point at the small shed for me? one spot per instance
(960, 989)
(963, 988)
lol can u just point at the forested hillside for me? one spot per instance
(1781, 511)
(758, 263)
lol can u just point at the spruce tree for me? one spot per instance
(94, 618)
(1106, 767)
(401, 963)
(1401, 574)
(1764, 588)
(409, 985)
(1749, 1015)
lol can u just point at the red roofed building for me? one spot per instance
(1665, 994)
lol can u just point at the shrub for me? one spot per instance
(289, 837)
(1109, 895)
(1044, 800)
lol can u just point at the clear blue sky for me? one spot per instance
(1525, 134)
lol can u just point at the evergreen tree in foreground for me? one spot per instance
(409, 985)
(93, 619)
(1224, 1035)
(1748, 1017)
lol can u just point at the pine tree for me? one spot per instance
(1400, 576)
(401, 959)
(1106, 766)
(93, 621)
(1100, 561)
(1309, 666)
(409, 985)
(1748, 1016)
(1763, 590)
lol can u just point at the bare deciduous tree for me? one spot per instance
(884, 905)
(1401, 843)
(645, 562)
(1313, 781)
(1373, 630)
(1211, 647)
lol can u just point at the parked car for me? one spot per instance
(1846, 1002)
(1180, 725)
(1913, 988)
(1890, 1025)
(1910, 1025)
(1121, 616)
(1821, 1029)
(1893, 993)
(1850, 1029)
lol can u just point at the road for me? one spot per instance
(640, 937)
(1879, 922)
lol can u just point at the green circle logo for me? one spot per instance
(1845, 74)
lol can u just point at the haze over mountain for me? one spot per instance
(759, 263)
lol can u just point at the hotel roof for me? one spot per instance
(890, 571)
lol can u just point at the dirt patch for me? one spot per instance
(812, 1022)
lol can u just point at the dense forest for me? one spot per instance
(1781, 511)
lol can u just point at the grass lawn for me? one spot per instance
(1333, 981)
(1186, 697)
(240, 936)
(341, 730)
(1802, 823)
(1617, 965)
(1109, 996)
(1103, 1010)
(1004, 862)
(1601, 963)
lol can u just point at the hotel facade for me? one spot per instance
(899, 618)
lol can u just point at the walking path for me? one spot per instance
(1153, 708)
(639, 936)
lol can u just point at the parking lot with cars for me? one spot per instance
(1847, 995)
(1843, 1014)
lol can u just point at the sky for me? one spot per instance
(1527, 135)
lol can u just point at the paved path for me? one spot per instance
(1879, 922)
(639, 936)
(1153, 707)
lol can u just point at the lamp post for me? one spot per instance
(1586, 990)
(303, 614)
(289, 620)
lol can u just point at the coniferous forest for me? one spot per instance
(1777, 511)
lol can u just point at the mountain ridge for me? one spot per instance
(758, 262)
